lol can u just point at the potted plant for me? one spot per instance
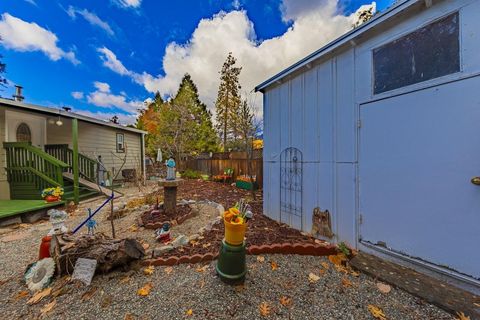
(247, 183)
(52, 194)
(235, 220)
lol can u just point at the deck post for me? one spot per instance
(76, 191)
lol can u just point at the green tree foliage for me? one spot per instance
(3, 69)
(228, 101)
(182, 125)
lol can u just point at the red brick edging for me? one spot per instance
(310, 249)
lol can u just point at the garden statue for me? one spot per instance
(170, 163)
(57, 219)
(163, 234)
(91, 224)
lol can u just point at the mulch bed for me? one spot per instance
(154, 219)
(261, 231)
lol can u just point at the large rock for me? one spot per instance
(180, 241)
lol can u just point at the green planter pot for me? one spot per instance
(231, 263)
(246, 185)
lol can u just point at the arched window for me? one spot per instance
(23, 133)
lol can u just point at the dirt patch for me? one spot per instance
(154, 219)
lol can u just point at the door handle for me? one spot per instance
(475, 181)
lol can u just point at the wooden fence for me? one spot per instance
(214, 166)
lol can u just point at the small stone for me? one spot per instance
(180, 241)
(157, 252)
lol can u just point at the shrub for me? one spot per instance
(191, 174)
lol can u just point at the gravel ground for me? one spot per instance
(188, 287)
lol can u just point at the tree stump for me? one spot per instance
(169, 195)
(109, 253)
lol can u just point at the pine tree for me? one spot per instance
(228, 100)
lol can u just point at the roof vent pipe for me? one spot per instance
(18, 93)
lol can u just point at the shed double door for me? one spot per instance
(417, 155)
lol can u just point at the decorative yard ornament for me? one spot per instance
(321, 223)
(57, 219)
(170, 163)
(163, 234)
(40, 274)
(159, 155)
(91, 224)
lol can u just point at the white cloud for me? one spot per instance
(32, 2)
(102, 86)
(20, 35)
(315, 23)
(91, 17)
(128, 3)
(102, 97)
(123, 118)
(77, 95)
(110, 61)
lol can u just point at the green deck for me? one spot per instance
(14, 207)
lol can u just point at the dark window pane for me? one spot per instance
(427, 53)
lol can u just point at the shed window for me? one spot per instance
(120, 142)
(427, 53)
(23, 133)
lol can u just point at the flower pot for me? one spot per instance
(51, 199)
(234, 233)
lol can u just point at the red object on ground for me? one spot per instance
(51, 199)
(45, 248)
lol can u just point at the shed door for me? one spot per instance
(418, 153)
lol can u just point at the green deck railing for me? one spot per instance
(87, 167)
(30, 170)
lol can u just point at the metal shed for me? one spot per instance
(380, 128)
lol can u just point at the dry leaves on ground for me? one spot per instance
(39, 296)
(260, 258)
(286, 301)
(148, 271)
(189, 312)
(384, 288)
(274, 265)
(125, 279)
(376, 312)
(325, 265)
(240, 287)
(89, 294)
(462, 316)
(106, 301)
(346, 282)
(128, 316)
(202, 269)
(168, 270)
(264, 309)
(22, 294)
(145, 290)
(133, 228)
(312, 277)
(48, 307)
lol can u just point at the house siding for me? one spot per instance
(4, 188)
(95, 140)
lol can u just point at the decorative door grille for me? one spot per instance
(291, 184)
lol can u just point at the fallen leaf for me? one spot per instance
(168, 270)
(462, 316)
(337, 259)
(145, 290)
(22, 294)
(286, 301)
(264, 309)
(189, 312)
(260, 258)
(384, 288)
(274, 265)
(148, 271)
(89, 294)
(201, 238)
(125, 279)
(322, 271)
(39, 296)
(202, 269)
(341, 268)
(48, 307)
(346, 283)
(128, 316)
(133, 228)
(313, 277)
(106, 301)
(193, 243)
(202, 284)
(206, 245)
(325, 265)
(354, 273)
(60, 292)
(240, 287)
(376, 312)
(145, 246)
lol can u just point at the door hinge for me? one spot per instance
(360, 218)
(359, 123)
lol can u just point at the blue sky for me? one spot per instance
(109, 56)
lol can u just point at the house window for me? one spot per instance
(23, 133)
(120, 142)
(427, 53)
